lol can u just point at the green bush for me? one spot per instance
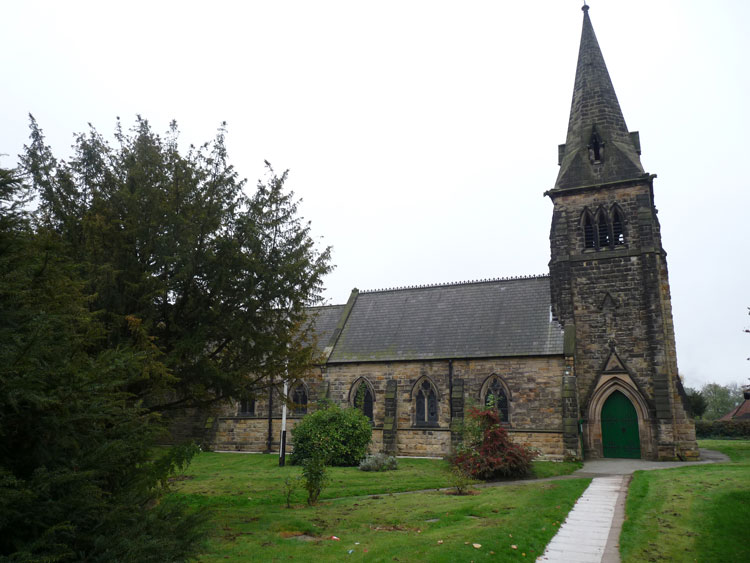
(341, 436)
(379, 462)
(722, 428)
(315, 476)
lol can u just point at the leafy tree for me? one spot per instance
(77, 476)
(720, 399)
(170, 244)
(697, 404)
(340, 436)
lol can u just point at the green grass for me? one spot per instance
(697, 513)
(250, 521)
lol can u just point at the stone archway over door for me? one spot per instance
(620, 427)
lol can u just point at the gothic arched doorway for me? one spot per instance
(620, 427)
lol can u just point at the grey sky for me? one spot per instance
(421, 135)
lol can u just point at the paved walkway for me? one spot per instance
(591, 532)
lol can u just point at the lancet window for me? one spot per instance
(363, 399)
(426, 405)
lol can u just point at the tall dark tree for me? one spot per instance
(696, 403)
(217, 280)
(78, 481)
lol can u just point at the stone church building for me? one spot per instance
(580, 362)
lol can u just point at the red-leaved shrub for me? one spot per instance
(487, 451)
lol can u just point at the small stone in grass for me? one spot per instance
(514, 547)
(477, 545)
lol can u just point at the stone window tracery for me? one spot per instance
(426, 413)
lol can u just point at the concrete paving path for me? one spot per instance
(588, 534)
(591, 532)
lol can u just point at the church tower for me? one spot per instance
(609, 283)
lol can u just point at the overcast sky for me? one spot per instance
(421, 135)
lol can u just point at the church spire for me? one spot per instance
(598, 148)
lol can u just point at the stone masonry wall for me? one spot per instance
(535, 403)
(618, 300)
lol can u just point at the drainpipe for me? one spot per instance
(450, 387)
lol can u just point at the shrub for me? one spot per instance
(460, 480)
(487, 452)
(379, 462)
(341, 436)
(314, 476)
(291, 482)
(722, 428)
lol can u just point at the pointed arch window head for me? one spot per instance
(602, 229)
(426, 405)
(364, 400)
(618, 232)
(298, 396)
(496, 398)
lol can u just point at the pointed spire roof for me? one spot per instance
(598, 149)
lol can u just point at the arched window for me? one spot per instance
(298, 396)
(363, 399)
(602, 225)
(496, 397)
(246, 407)
(426, 405)
(618, 232)
(589, 240)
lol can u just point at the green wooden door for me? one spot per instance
(620, 427)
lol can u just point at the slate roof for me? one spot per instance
(324, 321)
(506, 317)
(595, 104)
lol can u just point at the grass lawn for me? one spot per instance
(245, 494)
(698, 513)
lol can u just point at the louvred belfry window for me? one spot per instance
(602, 229)
(588, 231)
(618, 233)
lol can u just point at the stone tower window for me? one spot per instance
(298, 396)
(426, 405)
(363, 399)
(589, 240)
(602, 228)
(618, 233)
